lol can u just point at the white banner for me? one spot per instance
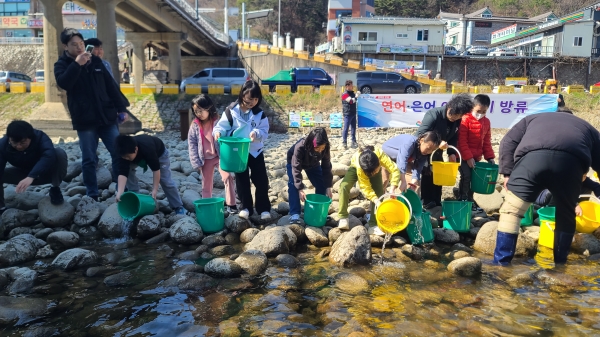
(386, 64)
(402, 111)
(397, 49)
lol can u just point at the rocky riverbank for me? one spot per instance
(87, 245)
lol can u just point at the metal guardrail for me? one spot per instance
(506, 51)
(21, 40)
(372, 48)
(202, 21)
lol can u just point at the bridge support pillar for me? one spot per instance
(175, 61)
(107, 32)
(139, 61)
(52, 116)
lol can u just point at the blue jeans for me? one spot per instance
(315, 175)
(349, 121)
(88, 143)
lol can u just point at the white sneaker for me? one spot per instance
(376, 231)
(244, 214)
(265, 216)
(344, 224)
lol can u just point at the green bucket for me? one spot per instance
(528, 217)
(457, 215)
(415, 202)
(483, 178)
(547, 213)
(234, 154)
(316, 210)
(209, 214)
(135, 205)
(421, 235)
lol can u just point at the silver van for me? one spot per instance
(7, 77)
(39, 75)
(223, 76)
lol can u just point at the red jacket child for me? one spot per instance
(475, 138)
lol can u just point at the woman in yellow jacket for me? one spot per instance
(365, 167)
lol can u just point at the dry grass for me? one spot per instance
(585, 106)
(305, 102)
(17, 106)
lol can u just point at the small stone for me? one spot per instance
(287, 261)
(120, 279)
(223, 268)
(253, 262)
(466, 266)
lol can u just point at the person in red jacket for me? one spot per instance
(474, 142)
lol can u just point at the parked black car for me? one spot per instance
(383, 82)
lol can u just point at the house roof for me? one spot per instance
(477, 15)
(381, 20)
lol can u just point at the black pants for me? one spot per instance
(55, 175)
(464, 186)
(256, 171)
(429, 191)
(559, 172)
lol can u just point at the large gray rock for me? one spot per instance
(446, 235)
(19, 231)
(120, 279)
(191, 281)
(87, 233)
(75, 258)
(248, 235)
(223, 268)
(103, 177)
(253, 262)
(274, 241)
(287, 261)
(299, 231)
(148, 226)
(55, 215)
(352, 248)
(87, 212)
(486, 241)
(25, 201)
(20, 249)
(186, 231)
(23, 281)
(62, 240)
(285, 221)
(466, 266)
(255, 218)
(222, 250)
(316, 236)
(583, 243)
(111, 224)
(236, 224)
(14, 218)
(214, 240)
(18, 310)
(45, 252)
(73, 170)
(188, 198)
(490, 203)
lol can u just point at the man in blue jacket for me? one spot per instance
(94, 100)
(33, 160)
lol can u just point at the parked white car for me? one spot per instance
(502, 52)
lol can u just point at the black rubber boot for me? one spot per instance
(506, 244)
(562, 245)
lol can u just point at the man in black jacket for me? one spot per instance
(33, 160)
(349, 102)
(445, 120)
(544, 151)
(94, 101)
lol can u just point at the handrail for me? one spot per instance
(21, 40)
(202, 21)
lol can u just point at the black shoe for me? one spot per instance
(231, 209)
(345, 145)
(562, 244)
(56, 197)
(354, 145)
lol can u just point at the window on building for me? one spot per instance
(343, 13)
(401, 36)
(423, 35)
(368, 14)
(453, 39)
(367, 36)
(454, 23)
(371, 3)
(577, 41)
(14, 9)
(485, 15)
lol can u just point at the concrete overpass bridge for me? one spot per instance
(169, 25)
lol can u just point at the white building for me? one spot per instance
(389, 35)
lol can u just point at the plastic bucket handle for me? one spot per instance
(455, 149)
(547, 225)
(396, 195)
(459, 210)
(480, 177)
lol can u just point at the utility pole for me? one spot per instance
(243, 20)
(249, 31)
(197, 16)
(226, 23)
(279, 21)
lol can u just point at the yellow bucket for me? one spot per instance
(547, 223)
(444, 173)
(590, 220)
(392, 214)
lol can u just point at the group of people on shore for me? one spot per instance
(544, 156)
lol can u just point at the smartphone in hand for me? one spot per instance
(89, 48)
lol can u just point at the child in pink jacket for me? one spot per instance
(203, 151)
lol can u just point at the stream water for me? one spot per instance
(399, 297)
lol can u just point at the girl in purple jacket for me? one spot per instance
(203, 151)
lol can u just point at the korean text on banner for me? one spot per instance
(407, 111)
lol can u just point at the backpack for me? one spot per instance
(227, 112)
